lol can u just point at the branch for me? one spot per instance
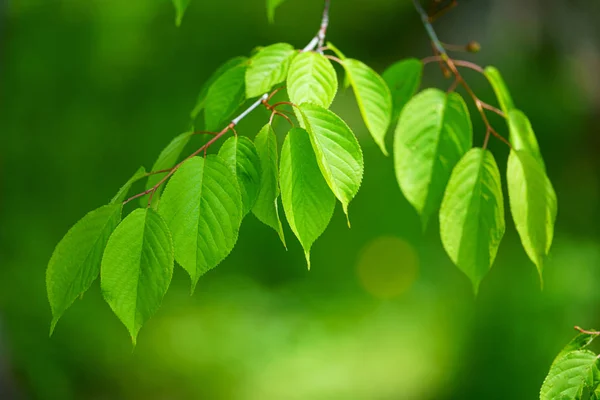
(204, 148)
(452, 65)
(318, 42)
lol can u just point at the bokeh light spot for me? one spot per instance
(387, 267)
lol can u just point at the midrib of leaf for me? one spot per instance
(436, 161)
(196, 250)
(473, 209)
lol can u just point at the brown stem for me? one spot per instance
(577, 328)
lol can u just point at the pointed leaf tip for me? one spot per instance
(373, 97)
(338, 153)
(472, 214)
(137, 267)
(202, 200)
(308, 202)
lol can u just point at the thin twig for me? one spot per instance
(318, 41)
(587, 332)
(204, 148)
(452, 65)
(334, 58)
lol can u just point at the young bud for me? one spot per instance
(473, 47)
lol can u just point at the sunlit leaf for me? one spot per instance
(137, 267)
(75, 262)
(522, 136)
(312, 79)
(307, 200)
(203, 207)
(532, 204)
(268, 67)
(433, 133)
(180, 7)
(502, 93)
(569, 376)
(167, 159)
(240, 154)
(122, 193)
(338, 153)
(224, 97)
(472, 214)
(265, 208)
(271, 7)
(403, 79)
(373, 98)
(201, 101)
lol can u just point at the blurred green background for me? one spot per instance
(91, 89)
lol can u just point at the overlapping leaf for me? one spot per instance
(307, 200)
(137, 267)
(373, 98)
(338, 153)
(265, 208)
(532, 204)
(522, 136)
(240, 154)
(75, 262)
(201, 101)
(268, 67)
(312, 79)
(167, 158)
(203, 208)
(433, 133)
(224, 97)
(403, 79)
(502, 93)
(472, 214)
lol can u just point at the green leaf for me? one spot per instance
(433, 133)
(581, 341)
(167, 159)
(271, 7)
(268, 67)
(201, 101)
(75, 262)
(522, 136)
(137, 267)
(472, 214)
(569, 376)
(338, 153)
(312, 79)
(202, 206)
(502, 93)
(532, 204)
(265, 208)
(307, 200)
(122, 193)
(403, 79)
(180, 7)
(240, 154)
(224, 97)
(373, 98)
